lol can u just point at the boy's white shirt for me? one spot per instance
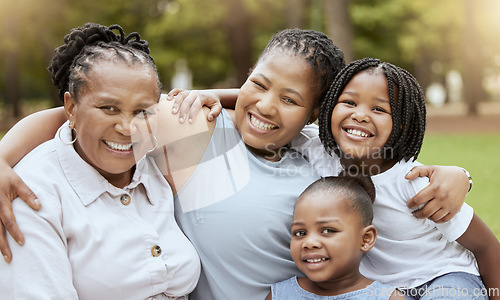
(419, 250)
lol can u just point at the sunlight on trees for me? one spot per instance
(220, 39)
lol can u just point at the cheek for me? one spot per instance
(294, 249)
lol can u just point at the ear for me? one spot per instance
(314, 115)
(369, 238)
(70, 107)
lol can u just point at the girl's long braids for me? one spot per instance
(86, 45)
(407, 109)
(315, 47)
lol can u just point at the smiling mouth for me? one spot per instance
(118, 147)
(358, 133)
(315, 260)
(261, 125)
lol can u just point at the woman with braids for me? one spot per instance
(373, 118)
(99, 234)
(236, 180)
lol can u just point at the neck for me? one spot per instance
(366, 167)
(335, 287)
(119, 180)
(270, 155)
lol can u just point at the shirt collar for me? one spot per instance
(89, 184)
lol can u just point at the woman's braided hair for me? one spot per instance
(84, 46)
(315, 47)
(407, 103)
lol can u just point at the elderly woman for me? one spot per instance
(107, 227)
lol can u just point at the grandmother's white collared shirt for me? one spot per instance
(92, 240)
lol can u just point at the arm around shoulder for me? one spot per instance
(19, 141)
(481, 241)
(30, 132)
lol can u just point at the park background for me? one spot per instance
(451, 46)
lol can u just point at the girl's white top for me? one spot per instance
(408, 251)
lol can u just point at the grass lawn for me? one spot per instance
(480, 155)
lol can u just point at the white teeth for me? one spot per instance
(315, 260)
(357, 132)
(261, 125)
(119, 147)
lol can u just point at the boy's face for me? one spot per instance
(327, 237)
(362, 119)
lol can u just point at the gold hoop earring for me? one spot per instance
(71, 142)
(156, 145)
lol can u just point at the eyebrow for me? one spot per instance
(356, 94)
(111, 101)
(319, 222)
(289, 90)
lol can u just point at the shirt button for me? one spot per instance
(125, 199)
(156, 250)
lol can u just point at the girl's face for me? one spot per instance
(275, 103)
(114, 94)
(362, 120)
(327, 239)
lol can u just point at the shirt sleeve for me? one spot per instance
(40, 269)
(457, 226)
(454, 228)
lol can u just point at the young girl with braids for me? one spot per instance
(236, 180)
(99, 234)
(373, 118)
(331, 231)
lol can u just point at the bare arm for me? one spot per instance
(444, 195)
(29, 133)
(479, 239)
(19, 141)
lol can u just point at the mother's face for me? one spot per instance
(113, 96)
(275, 103)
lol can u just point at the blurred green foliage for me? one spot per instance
(413, 34)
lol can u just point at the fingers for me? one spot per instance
(9, 222)
(4, 246)
(173, 93)
(215, 110)
(179, 99)
(25, 193)
(419, 171)
(422, 197)
(437, 216)
(426, 211)
(187, 104)
(193, 111)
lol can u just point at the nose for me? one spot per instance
(267, 104)
(360, 114)
(311, 242)
(125, 125)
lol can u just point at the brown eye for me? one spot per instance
(299, 233)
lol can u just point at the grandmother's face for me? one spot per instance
(115, 98)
